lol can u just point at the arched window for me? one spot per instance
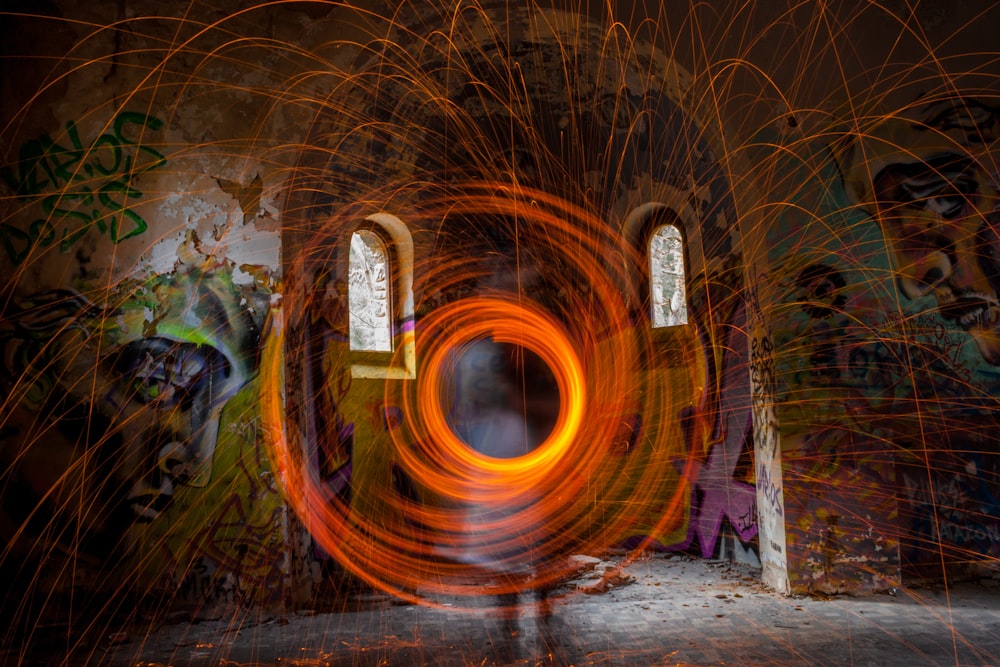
(380, 298)
(668, 293)
(370, 290)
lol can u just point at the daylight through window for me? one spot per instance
(370, 293)
(666, 273)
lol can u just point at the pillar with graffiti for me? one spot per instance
(882, 293)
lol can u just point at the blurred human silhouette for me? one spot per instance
(498, 534)
(486, 416)
(503, 403)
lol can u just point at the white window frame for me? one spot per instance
(399, 361)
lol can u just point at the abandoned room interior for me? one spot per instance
(311, 301)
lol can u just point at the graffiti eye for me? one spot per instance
(948, 207)
(169, 380)
(941, 185)
(167, 373)
(164, 383)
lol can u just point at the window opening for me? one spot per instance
(370, 308)
(667, 280)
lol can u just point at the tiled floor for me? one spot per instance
(668, 611)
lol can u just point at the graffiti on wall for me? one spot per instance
(144, 405)
(233, 550)
(81, 188)
(886, 341)
(952, 510)
(929, 183)
(723, 488)
(926, 182)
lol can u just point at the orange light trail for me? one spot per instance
(451, 460)
(575, 492)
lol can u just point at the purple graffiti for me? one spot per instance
(721, 495)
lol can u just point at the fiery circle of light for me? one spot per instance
(580, 490)
(450, 459)
(544, 174)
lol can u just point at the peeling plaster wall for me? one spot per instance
(145, 152)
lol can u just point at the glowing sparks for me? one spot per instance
(574, 491)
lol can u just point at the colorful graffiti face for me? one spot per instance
(150, 377)
(939, 210)
(941, 219)
(173, 382)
